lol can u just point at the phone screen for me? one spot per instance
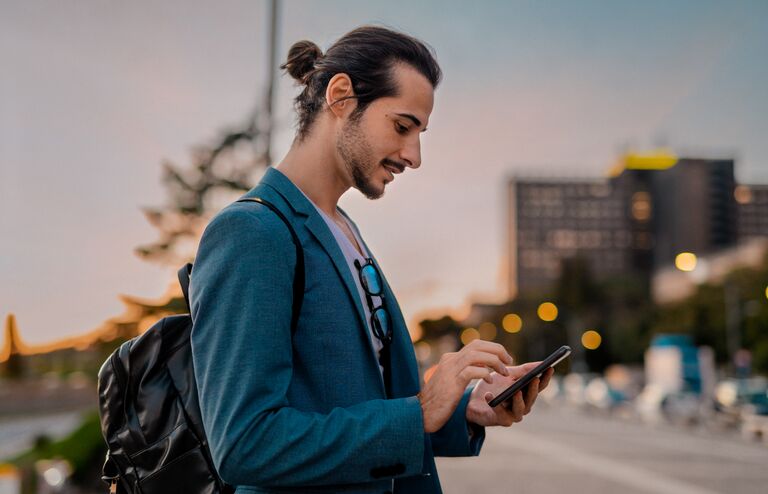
(555, 358)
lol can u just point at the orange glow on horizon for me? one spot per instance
(106, 331)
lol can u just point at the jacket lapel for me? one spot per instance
(405, 371)
(318, 228)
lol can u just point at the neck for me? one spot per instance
(314, 167)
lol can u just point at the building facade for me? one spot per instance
(635, 221)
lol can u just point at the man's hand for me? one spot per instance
(511, 411)
(442, 393)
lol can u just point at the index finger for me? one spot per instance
(491, 347)
(522, 369)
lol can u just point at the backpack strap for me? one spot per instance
(184, 274)
(298, 277)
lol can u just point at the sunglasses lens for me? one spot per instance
(381, 326)
(371, 280)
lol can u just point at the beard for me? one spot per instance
(357, 155)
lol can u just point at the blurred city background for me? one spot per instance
(595, 174)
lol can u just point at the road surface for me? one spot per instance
(558, 449)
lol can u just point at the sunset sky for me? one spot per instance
(95, 95)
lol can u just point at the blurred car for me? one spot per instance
(600, 394)
(742, 395)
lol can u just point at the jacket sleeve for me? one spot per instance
(458, 437)
(241, 299)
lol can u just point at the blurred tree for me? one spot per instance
(580, 302)
(704, 316)
(575, 288)
(218, 173)
(432, 329)
(622, 311)
(628, 309)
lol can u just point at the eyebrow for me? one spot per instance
(415, 120)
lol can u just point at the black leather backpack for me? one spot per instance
(149, 409)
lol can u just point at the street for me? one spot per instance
(559, 449)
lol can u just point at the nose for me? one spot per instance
(411, 153)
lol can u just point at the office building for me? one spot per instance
(648, 210)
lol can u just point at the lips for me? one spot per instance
(393, 169)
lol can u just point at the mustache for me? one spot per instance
(399, 166)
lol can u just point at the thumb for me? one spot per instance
(488, 397)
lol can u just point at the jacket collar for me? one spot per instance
(283, 185)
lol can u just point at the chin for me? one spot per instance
(372, 190)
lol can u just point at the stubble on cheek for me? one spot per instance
(357, 155)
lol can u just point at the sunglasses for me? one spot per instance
(370, 279)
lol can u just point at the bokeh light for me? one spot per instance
(641, 206)
(487, 331)
(591, 339)
(742, 194)
(512, 323)
(54, 477)
(423, 351)
(469, 335)
(547, 311)
(685, 261)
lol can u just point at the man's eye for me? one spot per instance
(401, 129)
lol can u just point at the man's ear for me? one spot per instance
(339, 95)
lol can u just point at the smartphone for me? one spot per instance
(555, 358)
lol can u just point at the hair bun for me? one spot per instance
(301, 59)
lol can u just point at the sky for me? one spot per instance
(95, 95)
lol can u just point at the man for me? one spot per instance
(337, 405)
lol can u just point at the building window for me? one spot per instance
(641, 206)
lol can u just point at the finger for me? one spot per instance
(488, 397)
(519, 371)
(487, 359)
(545, 378)
(518, 406)
(504, 416)
(531, 392)
(491, 347)
(471, 372)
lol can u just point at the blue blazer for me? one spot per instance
(307, 413)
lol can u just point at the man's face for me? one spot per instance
(385, 139)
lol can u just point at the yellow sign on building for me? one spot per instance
(657, 160)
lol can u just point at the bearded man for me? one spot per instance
(331, 401)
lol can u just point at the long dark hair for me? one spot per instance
(367, 55)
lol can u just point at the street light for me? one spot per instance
(487, 331)
(591, 339)
(547, 311)
(469, 335)
(512, 323)
(685, 261)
